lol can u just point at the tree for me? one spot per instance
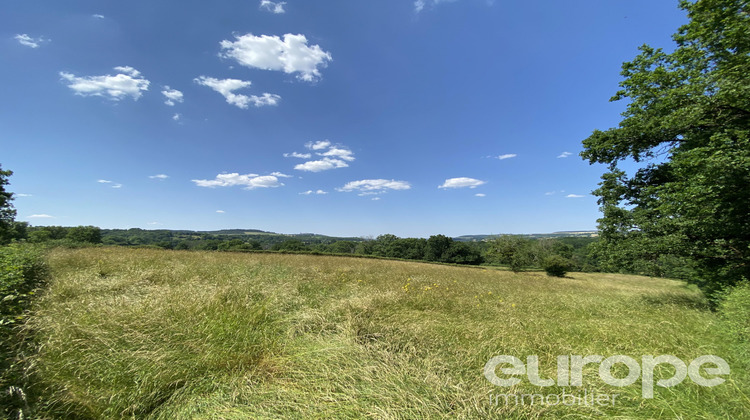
(436, 248)
(512, 250)
(290, 245)
(85, 234)
(556, 265)
(7, 212)
(687, 124)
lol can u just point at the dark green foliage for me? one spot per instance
(463, 253)
(22, 269)
(342, 247)
(556, 265)
(290, 245)
(85, 234)
(436, 247)
(7, 212)
(511, 250)
(688, 124)
(734, 311)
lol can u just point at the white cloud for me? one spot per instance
(419, 5)
(374, 186)
(309, 192)
(220, 211)
(273, 7)
(564, 155)
(98, 16)
(28, 41)
(318, 145)
(298, 155)
(281, 175)
(480, 195)
(153, 223)
(226, 88)
(249, 181)
(334, 157)
(177, 116)
(339, 153)
(128, 82)
(173, 96)
(159, 176)
(461, 182)
(40, 216)
(321, 165)
(290, 55)
(22, 195)
(114, 184)
(549, 193)
(574, 196)
(375, 198)
(507, 156)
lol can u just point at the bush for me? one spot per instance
(556, 266)
(22, 269)
(734, 311)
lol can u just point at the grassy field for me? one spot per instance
(168, 334)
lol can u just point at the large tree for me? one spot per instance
(687, 123)
(7, 212)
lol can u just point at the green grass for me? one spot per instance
(166, 334)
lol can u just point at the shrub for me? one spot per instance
(556, 265)
(734, 311)
(22, 268)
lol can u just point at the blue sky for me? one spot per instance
(349, 118)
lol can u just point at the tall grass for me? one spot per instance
(167, 334)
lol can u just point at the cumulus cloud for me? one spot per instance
(220, 211)
(338, 153)
(28, 41)
(480, 195)
(507, 156)
(40, 216)
(298, 155)
(226, 88)
(273, 7)
(318, 145)
(281, 175)
(249, 181)
(127, 82)
(374, 186)
(290, 55)
(333, 156)
(173, 96)
(462, 182)
(321, 165)
(22, 195)
(98, 16)
(310, 192)
(574, 196)
(159, 176)
(177, 116)
(564, 155)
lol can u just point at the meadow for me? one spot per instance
(143, 333)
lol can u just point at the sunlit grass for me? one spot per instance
(166, 334)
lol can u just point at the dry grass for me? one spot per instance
(167, 334)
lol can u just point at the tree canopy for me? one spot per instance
(7, 212)
(687, 124)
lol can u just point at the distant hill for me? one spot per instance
(563, 234)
